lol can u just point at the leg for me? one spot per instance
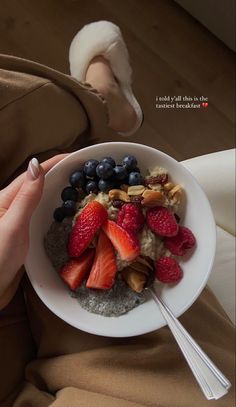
(146, 370)
(72, 112)
(31, 127)
(17, 348)
(122, 116)
(42, 112)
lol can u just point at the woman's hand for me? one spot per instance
(17, 204)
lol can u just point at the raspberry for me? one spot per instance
(168, 270)
(162, 221)
(130, 218)
(180, 243)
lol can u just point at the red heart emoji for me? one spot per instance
(204, 104)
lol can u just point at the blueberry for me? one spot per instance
(69, 193)
(90, 168)
(77, 179)
(105, 185)
(91, 187)
(130, 162)
(109, 160)
(59, 214)
(69, 207)
(135, 178)
(104, 170)
(120, 172)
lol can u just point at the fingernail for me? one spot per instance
(33, 169)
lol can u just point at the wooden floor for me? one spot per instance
(171, 54)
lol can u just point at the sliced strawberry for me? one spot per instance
(75, 270)
(127, 245)
(88, 222)
(102, 275)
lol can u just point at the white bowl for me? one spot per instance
(196, 214)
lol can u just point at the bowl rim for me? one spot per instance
(211, 220)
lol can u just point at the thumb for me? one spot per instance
(28, 196)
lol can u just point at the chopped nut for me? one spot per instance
(118, 194)
(156, 171)
(136, 190)
(177, 197)
(134, 279)
(152, 198)
(155, 187)
(139, 273)
(173, 191)
(168, 186)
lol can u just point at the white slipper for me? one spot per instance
(104, 38)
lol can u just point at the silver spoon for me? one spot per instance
(210, 379)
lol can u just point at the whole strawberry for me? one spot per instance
(130, 217)
(162, 221)
(87, 224)
(180, 243)
(168, 270)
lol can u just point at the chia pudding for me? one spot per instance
(111, 303)
(107, 239)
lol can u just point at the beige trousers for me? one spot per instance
(45, 362)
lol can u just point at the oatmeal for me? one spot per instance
(117, 230)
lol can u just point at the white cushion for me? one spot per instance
(222, 277)
(216, 175)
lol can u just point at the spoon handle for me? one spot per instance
(211, 380)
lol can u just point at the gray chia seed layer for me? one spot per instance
(55, 242)
(110, 303)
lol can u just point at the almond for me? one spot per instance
(168, 186)
(173, 191)
(152, 198)
(134, 279)
(136, 190)
(118, 194)
(155, 187)
(177, 197)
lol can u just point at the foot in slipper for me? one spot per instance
(122, 116)
(98, 55)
